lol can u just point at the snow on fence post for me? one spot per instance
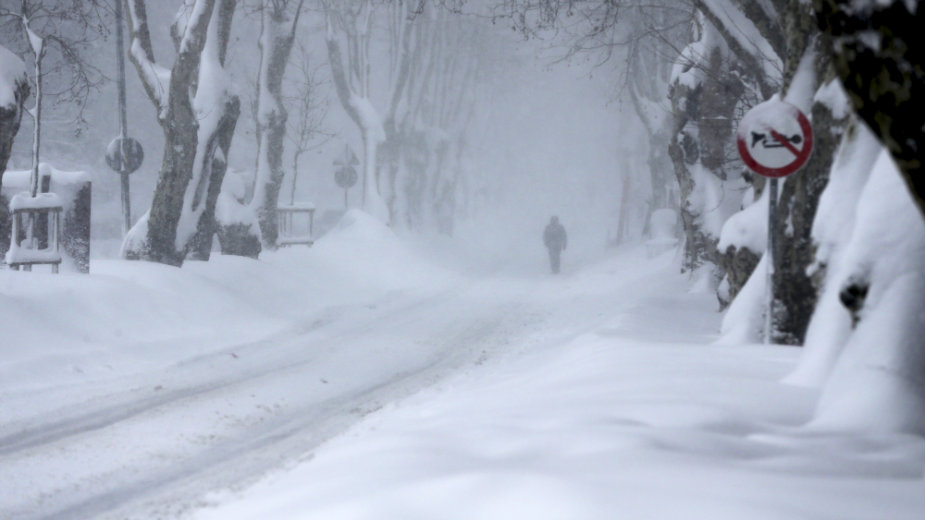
(74, 190)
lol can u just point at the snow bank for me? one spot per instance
(748, 228)
(832, 227)
(371, 254)
(127, 317)
(878, 382)
(598, 427)
(743, 322)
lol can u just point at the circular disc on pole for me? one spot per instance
(346, 176)
(124, 156)
(775, 139)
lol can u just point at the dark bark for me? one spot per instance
(703, 131)
(10, 118)
(738, 264)
(749, 61)
(213, 175)
(885, 82)
(239, 240)
(180, 125)
(796, 291)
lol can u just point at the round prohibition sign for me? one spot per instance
(775, 139)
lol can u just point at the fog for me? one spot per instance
(554, 144)
(545, 139)
(419, 353)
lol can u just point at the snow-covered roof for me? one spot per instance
(24, 201)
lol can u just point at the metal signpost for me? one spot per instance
(346, 174)
(124, 154)
(774, 140)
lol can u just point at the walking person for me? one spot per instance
(555, 239)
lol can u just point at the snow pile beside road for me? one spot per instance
(368, 254)
(127, 317)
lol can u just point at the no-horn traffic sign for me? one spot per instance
(775, 139)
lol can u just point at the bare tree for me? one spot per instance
(278, 22)
(427, 126)
(197, 113)
(306, 130)
(62, 32)
(350, 23)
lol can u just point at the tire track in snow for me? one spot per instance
(221, 464)
(119, 409)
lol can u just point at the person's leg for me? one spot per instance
(554, 258)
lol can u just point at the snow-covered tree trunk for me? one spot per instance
(351, 21)
(874, 370)
(14, 89)
(793, 287)
(649, 72)
(197, 112)
(791, 35)
(277, 32)
(404, 46)
(439, 103)
(705, 92)
(864, 344)
(879, 57)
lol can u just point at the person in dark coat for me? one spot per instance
(555, 239)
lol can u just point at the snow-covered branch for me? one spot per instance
(154, 78)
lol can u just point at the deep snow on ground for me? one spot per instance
(360, 379)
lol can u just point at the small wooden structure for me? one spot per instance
(74, 189)
(295, 224)
(36, 231)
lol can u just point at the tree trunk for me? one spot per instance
(886, 81)
(363, 114)
(182, 219)
(207, 227)
(11, 116)
(277, 34)
(180, 141)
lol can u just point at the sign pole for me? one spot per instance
(126, 203)
(346, 162)
(346, 175)
(771, 254)
(774, 139)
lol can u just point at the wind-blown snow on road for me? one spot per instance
(388, 387)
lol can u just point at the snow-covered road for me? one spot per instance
(149, 392)
(218, 419)
(150, 441)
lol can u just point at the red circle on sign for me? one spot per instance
(801, 157)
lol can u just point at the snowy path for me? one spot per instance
(639, 417)
(150, 443)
